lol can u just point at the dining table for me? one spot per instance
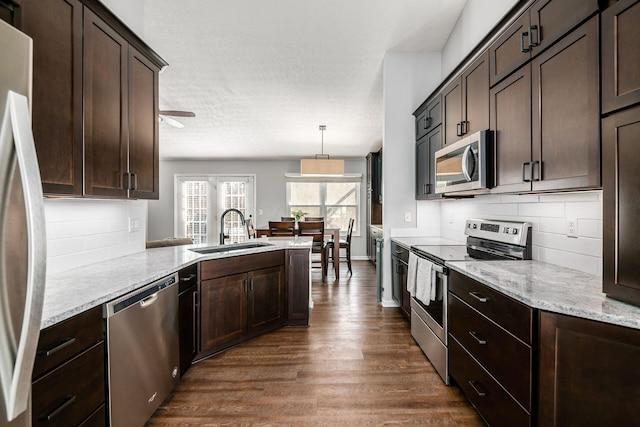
(333, 232)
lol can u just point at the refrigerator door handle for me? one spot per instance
(16, 359)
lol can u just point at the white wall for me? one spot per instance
(270, 191)
(408, 78)
(477, 18)
(81, 232)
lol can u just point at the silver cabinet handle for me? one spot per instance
(68, 400)
(478, 296)
(477, 389)
(66, 343)
(477, 337)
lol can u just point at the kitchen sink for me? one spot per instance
(230, 248)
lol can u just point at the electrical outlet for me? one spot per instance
(407, 217)
(260, 212)
(134, 225)
(572, 227)
(450, 217)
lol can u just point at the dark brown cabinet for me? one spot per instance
(536, 29)
(188, 316)
(465, 102)
(69, 373)
(399, 267)
(428, 141)
(545, 118)
(56, 28)
(621, 201)
(240, 297)
(620, 55)
(428, 116)
(491, 340)
(297, 266)
(9, 12)
(588, 372)
(95, 101)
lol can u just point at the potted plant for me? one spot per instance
(298, 215)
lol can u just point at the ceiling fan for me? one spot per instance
(167, 117)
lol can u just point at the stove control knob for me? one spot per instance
(507, 230)
(514, 231)
(475, 226)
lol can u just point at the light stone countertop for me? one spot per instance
(552, 288)
(407, 242)
(74, 291)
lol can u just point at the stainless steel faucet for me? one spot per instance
(222, 235)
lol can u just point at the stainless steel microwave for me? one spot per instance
(464, 166)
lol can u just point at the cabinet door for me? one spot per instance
(510, 51)
(396, 291)
(56, 29)
(143, 126)
(422, 169)
(422, 124)
(187, 321)
(566, 112)
(552, 19)
(105, 108)
(452, 108)
(298, 287)
(265, 308)
(435, 143)
(620, 55)
(475, 96)
(621, 192)
(223, 311)
(510, 119)
(434, 112)
(589, 373)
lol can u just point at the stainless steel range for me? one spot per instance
(486, 240)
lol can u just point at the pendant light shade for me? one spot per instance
(322, 164)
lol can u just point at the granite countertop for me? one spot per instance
(77, 290)
(552, 288)
(407, 242)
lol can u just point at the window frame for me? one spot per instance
(323, 180)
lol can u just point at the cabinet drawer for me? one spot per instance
(508, 359)
(399, 251)
(240, 264)
(188, 277)
(60, 342)
(513, 316)
(97, 419)
(493, 403)
(69, 394)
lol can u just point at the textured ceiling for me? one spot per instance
(261, 75)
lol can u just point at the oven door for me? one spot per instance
(434, 315)
(462, 166)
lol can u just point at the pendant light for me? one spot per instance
(321, 164)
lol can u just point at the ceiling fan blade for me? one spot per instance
(177, 113)
(171, 122)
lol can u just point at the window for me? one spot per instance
(335, 198)
(200, 200)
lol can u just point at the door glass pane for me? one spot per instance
(234, 196)
(196, 201)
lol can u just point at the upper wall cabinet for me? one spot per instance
(545, 118)
(620, 55)
(95, 101)
(539, 27)
(465, 101)
(56, 28)
(429, 117)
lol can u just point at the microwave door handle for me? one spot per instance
(465, 170)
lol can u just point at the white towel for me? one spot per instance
(411, 273)
(425, 281)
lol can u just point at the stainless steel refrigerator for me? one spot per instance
(22, 231)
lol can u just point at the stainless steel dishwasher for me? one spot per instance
(142, 351)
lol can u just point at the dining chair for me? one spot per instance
(314, 218)
(315, 229)
(342, 244)
(281, 228)
(287, 218)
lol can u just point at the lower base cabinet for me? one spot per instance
(187, 316)
(399, 268)
(589, 373)
(69, 373)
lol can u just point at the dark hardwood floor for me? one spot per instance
(355, 365)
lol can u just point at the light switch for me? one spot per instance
(407, 217)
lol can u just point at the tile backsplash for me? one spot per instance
(549, 215)
(82, 232)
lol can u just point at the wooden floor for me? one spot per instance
(355, 365)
